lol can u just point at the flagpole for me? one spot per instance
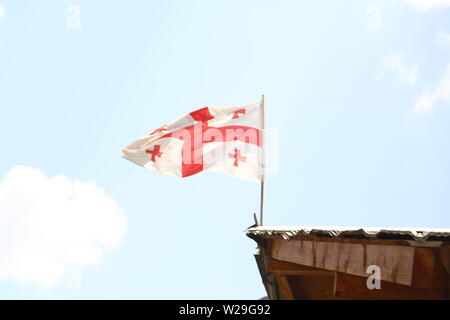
(263, 163)
(262, 204)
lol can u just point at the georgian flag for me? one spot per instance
(224, 139)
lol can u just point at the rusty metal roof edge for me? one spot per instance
(289, 232)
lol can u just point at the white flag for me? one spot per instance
(224, 139)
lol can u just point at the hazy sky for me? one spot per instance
(359, 93)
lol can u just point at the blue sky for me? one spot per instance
(360, 95)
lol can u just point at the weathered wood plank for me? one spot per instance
(354, 287)
(444, 255)
(284, 288)
(424, 268)
(312, 287)
(395, 262)
(289, 268)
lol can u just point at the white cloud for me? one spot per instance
(424, 5)
(2, 12)
(374, 21)
(430, 96)
(53, 227)
(405, 74)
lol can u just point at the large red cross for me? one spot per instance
(155, 152)
(193, 163)
(237, 157)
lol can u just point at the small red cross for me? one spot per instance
(237, 157)
(237, 113)
(155, 152)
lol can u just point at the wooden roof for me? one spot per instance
(333, 263)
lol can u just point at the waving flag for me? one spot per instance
(224, 139)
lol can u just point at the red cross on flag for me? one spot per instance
(224, 139)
